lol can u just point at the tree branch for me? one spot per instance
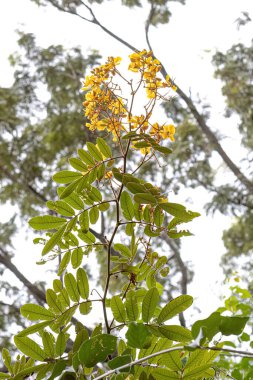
(178, 348)
(34, 290)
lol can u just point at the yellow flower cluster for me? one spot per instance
(138, 122)
(103, 108)
(106, 110)
(149, 67)
(163, 132)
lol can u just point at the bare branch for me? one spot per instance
(34, 290)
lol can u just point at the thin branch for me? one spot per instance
(34, 290)
(138, 361)
(178, 348)
(148, 23)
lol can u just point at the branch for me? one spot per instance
(178, 348)
(198, 117)
(35, 291)
(116, 370)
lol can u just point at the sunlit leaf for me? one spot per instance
(149, 304)
(29, 348)
(174, 307)
(82, 283)
(71, 287)
(35, 312)
(46, 222)
(118, 309)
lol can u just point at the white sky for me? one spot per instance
(185, 47)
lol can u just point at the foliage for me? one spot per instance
(135, 339)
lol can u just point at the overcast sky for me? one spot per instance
(185, 46)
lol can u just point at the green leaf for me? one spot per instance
(46, 222)
(158, 216)
(83, 283)
(120, 361)
(71, 239)
(135, 187)
(60, 344)
(73, 199)
(71, 287)
(149, 304)
(174, 307)
(179, 211)
(35, 312)
(59, 367)
(77, 164)
(61, 207)
(104, 148)
(88, 238)
(4, 375)
(232, 325)
(127, 206)
(164, 374)
(55, 239)
(76, 257)
(64, 263)
(64, 319)
(94, 151)
(57, 285)
(6, 357)
(68, 190)
(81, 336)
(85, 307)
(34, 328)
(138, 335)
(42, 373)
(174, 222)
(125, 251)
(66, 176)
(48, 344)
(94, 194)
(29, 370)
(86, 157)
(53, 302)
(29, 348)
(195, 373)
(84, 221)
(64, 298)
(178, 234)
(92, 175)
(97, 330)
(145, 198)
(94, 215)
(162, 149)
(101, 171)
(171, 360)
(131, 305)
(118, 309)
(210, 326)
(96, 349)
(104, 206)
(176, 333)
(150, 232)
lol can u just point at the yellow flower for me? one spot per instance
(145, 150)
(108, 174)
(168, 131)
